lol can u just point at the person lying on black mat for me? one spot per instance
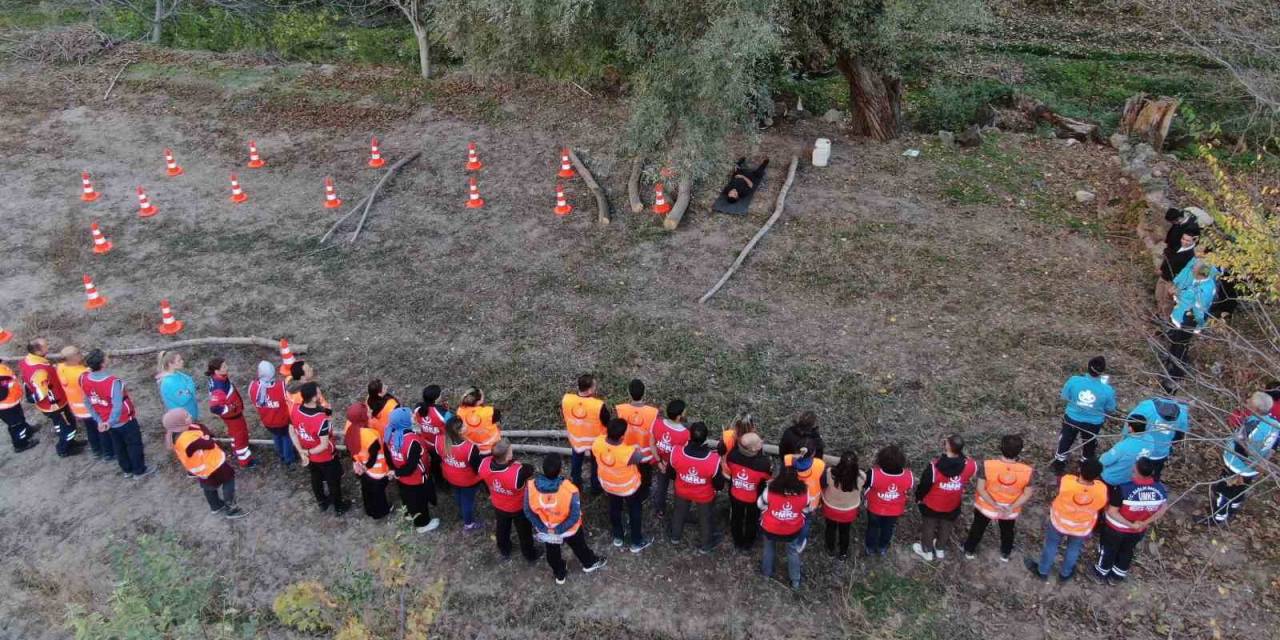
(742, 182)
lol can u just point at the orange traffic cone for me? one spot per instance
(331, 200)
(660, 205)
(169, 325)
(100, 242)
(563, 208)
(473, 158)
(473, 196)
(255, 161)
(237, 194)
(566, 168)
(94, 299)
(375, 156)
(145, 208)
(170, 165)
(87, 194)
(286, 357)
(5, 335)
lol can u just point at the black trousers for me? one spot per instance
(979, 529)
(1067, 437)
(1229, 497)
(220, 502)
(64, 423)
(634, 506)
(417, 500)
(524, 533)
(744, 522)
(1117, 548)
(576, 542)
(437, 476)
(19, 431)
(839, 530)
(373, 493)
(706, 522)
(326, 482)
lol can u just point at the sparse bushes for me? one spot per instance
(952, 106)
(306, 606)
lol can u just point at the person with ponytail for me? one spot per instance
(368, 460)
(429, 418)
(782, 519)
(481, 423)
(841, 497)
(226, 403)
(460, 459)
(380, 403)
(177, 389)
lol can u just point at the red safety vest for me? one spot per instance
(430, 426)
(309, 427)
(453, 462)
(887, 494)
(97, 394)
(744, 482)
(667, 437)
(783, 515)
(274, 414)
(505, 494)
(399, 456)
(694, 475)
(946, 492)
(46, 393)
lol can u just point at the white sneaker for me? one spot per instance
(560, 580)
(919, 550)
(618, 542)
(969, 556)
(430, 526)
(598, 565)
(939, 554)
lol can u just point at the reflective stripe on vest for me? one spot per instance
(1005, 482)
(581, 420)
(14, 395)
(617, 476)
(554, 508)
(377, 469)
(639, 428)
(1075, 511)
(202, 463)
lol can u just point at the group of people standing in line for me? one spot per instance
(637, 451)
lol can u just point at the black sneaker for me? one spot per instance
(235, 513)
(149, 471)
(1034, 568)
(71, 451)
(324, 506)
(26, 445)
(342, 507)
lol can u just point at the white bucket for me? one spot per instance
(821, 152)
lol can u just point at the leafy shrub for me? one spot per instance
(950, 106)
(383, 44)
(215, 29)
(305, 35)
(305, 606)
(123, 24)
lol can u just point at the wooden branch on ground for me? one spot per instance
(633, 186)
(374, 194)
(115, 78)
(777, 213)
(250, 341)
(672, 219)
(1066, 127)
(602, 201)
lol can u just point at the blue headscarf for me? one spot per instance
(400, 423)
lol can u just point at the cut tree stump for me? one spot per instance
(633, 186)
(672, 219)
(602, 201)
(1065, 127)
(1148, 118)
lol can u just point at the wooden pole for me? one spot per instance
(672, 219)
(602, 202)
(777, 213)
(251, 341)
(374, 194)
(633, 186)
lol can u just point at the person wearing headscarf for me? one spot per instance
(271, 399)
(369, 460)
(407, 459)
(205, 460)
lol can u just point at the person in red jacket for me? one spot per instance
(45, 391)
(939, 494)
(747, 469)
(696, 468)
(315, 437)
(506, 478)
(408, 459)
(430, 417)
(889, 482)
(669, 434)
(271, 399)
(226, 403)
(782, 505)
(460, 460)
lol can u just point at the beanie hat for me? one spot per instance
(802, 464)
(175, 420)
(1097, 365)
(1167, 409)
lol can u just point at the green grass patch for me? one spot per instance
(26, 14)
(900, 606)
(985, 174)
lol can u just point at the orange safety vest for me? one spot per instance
(812, 478)
(582, 420)
(617, 476)
(554, 508)
(202, 463)
(379, 422)
(1005, 482)
(728, 438)
(639, 428)
(14, 396)
(1075, 511)
(378, 468)
(69, 376)
(478, 427)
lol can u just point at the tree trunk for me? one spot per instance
(875, 99)
(424, 50)
(1148, 118)
(156, 21)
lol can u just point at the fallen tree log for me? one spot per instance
(1148, 118)
(777, 213)
(673, 218)
(602, 201)
(367, 201)
(1065, 127)
(633, 186)
(250, 341)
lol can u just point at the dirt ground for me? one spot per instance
(895, 313)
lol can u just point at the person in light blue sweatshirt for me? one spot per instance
(177, 389)
(1196, 288)
(1089, 399)
(1118, 461)
(1167, 423)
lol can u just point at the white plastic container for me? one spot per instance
(821, 152)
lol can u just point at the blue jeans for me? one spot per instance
(1052, 539)
(794, 544)
(127, 441)
(284, 446)
(879, 533)
(466, 499)
(576, 461)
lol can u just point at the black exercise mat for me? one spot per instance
(740, 207)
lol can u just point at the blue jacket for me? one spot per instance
(1162, 433)
(1196, 297)
(1089, 399)
(552, 485)
(178, 391)
(1185, 278)
(1118, 461)
(1260, 435)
